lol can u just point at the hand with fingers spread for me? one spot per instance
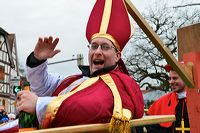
(26, 101)
(45, 48)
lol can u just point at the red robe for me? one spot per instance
(94, 104)
(166, 105)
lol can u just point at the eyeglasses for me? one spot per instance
(104, 47)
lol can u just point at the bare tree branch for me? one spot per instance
(186, 5)
(145, 63)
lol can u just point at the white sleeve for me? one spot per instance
(41, 82)
(41, 106)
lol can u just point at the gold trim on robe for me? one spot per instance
(120, 120)
(54, 105)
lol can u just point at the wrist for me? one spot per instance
(32, 61)
(37, 57)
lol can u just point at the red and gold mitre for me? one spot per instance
(109, 19)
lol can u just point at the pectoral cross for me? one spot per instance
(182, 128)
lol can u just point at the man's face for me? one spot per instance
(102, 54)
(1, 108)
(176, 82)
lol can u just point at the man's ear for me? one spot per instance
(118, 56)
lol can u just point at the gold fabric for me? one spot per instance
(109, 37)
(106, 17)
(104, 24)
(53, 106)
(120, 121)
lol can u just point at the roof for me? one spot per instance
(152, 95)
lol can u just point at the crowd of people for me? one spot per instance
(8, 121)
(4, 116)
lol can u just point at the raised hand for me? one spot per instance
(45, 48)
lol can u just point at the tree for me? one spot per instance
(145, 63)
(193, 4)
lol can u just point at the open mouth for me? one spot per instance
(173, 87)
(98, 62)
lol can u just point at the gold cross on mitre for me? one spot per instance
(182, 128)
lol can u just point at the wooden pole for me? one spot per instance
(189, 48)
(193, 95)
(146, 120)
(188, 40)
(187, 78)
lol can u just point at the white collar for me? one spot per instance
(181, 95)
